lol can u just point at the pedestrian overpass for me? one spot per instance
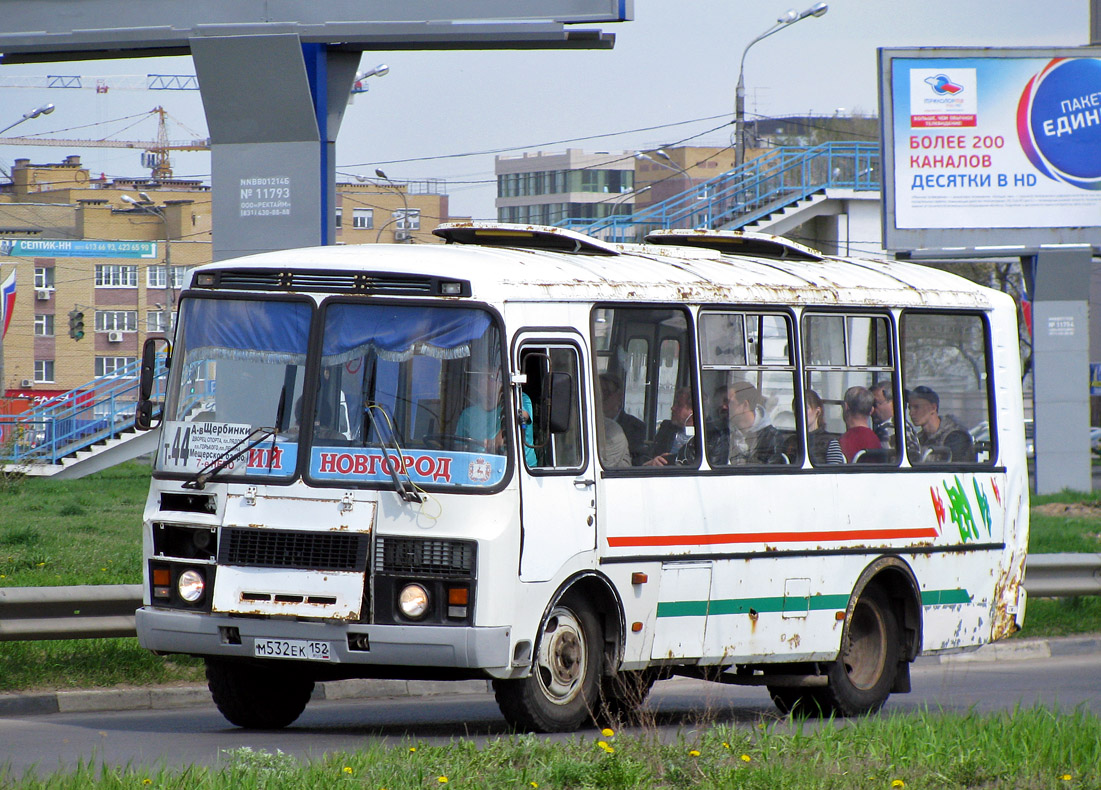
(81, 431)
(774, 192)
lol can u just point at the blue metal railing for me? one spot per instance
(756, 189)
(100, 410)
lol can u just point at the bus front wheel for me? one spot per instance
(560, 693)
(861, 678)
(257, 696)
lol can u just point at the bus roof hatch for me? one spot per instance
(538, 237)
(737, 242)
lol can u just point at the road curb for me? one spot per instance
(196, 695)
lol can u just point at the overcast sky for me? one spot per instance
(671, 76)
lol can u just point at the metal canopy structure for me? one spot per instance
(59, 30)
(273, 140)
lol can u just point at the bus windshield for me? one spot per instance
(425, 384)
(238, 374)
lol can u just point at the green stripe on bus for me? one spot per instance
(943, 597)
(777, 604)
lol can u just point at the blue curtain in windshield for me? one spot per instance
(396, 333)
(274, 332)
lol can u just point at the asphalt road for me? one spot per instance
(46, 743)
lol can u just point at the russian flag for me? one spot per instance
(7, 303)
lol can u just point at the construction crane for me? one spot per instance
(155, 154)
(126, 82)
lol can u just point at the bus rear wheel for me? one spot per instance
(560, 693)
(257, 696)
(861, 678)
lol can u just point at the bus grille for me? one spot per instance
(270, 548)
(425, 557)
(324, 282)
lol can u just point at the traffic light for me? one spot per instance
(76, 324)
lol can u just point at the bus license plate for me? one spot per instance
(306, 649)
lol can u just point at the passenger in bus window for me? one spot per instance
(941, 438)
(818, 438)
(611, 402)
(883, 418)
(674, 442)
(753, 437)
(615, 452)
(716, 427)
(856, 410)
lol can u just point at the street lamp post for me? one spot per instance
(404, 202)
(146, 205)
(788, 19)
(44, 109)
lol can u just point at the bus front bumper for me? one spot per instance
(174, 631)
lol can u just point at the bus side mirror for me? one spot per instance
(560, 395)
(144, 412)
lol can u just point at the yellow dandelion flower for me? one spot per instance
(694, 753)
(441, 779)
(898, 783)
(745, 758)
(412, 749)
(604, 745)
(534, 784)
(347, 769)
(726, 745)
(1066, 777)
(147, 781)
(607, 733)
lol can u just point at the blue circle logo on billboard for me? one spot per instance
(1059, 121)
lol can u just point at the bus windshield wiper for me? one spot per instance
(255, 436)
(407, 494)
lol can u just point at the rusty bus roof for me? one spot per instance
(562, 267)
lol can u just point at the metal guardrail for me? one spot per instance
(95, 611)
(84, 612)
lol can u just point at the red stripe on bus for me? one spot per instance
(772, 537)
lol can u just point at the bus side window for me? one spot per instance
(553, 392)
(944, 363)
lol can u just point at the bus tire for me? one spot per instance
(257, 696)
(561, 692)
(861, 678)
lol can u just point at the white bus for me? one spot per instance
(572, 467)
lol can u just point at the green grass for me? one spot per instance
(88, 531)
(1032, 749)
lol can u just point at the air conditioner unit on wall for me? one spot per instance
(114, 337)
(42, 294)
(26, 383)
(403, 235)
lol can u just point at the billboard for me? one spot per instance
(990, 147)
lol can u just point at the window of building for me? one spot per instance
(363, 218)
(156, 321)
(43, 277)
(408, 219)
(43, 371)
(945, 364)
(114, 366)
(116, 320)
(114, 275)
(340, 217)
(155, 276)
(749, 382)
(44, 324)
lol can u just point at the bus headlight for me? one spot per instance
(413, 601)
(190, 586)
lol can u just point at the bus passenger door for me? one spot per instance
(557, 483)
